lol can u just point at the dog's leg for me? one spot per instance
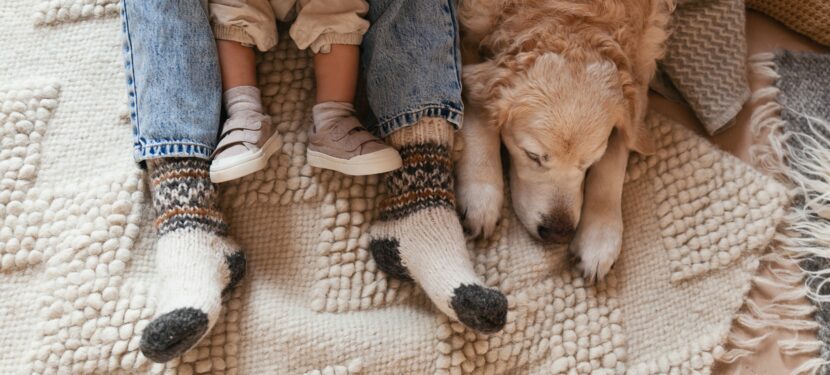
(598, 238)
(479, 184)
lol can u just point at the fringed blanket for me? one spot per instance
(795, 120)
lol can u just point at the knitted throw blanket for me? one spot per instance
(77, 243)
(808, 17)
(795, 119)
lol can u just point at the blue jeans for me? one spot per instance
(412, 62)
(174, 85)
(410, 58)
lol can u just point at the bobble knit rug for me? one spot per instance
(77, 243)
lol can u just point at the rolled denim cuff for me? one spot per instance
(452, 114)
(323, 42)
(144, 152)
(239, 35)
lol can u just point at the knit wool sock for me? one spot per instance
(418, 234)
(195, 260)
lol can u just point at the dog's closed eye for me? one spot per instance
(535, 157)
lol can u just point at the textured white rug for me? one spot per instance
(76, 242)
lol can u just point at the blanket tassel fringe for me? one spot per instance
(798, 236)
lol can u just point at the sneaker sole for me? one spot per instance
(377, 162)
(244, 164)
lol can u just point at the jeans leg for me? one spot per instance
(173, 79)
(412, 64)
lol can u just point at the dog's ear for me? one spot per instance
(482, 81)
(630, 110)
(483, 88)
(632, 126)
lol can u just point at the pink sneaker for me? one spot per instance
(345, 146)
(246, 144)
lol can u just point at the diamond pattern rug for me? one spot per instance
(77, 245)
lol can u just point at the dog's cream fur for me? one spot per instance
(563, 84)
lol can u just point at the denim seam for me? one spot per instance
(456, 48)
(408, 118)
(134, 99)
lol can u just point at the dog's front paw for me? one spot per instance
(479, 205)
(597, 245)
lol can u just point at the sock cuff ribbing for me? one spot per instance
(184, 197)
(427, 130)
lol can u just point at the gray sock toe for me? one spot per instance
(480, 308)
(170, 335)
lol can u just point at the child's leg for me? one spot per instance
(248, 140)
(337, 140)
(238, 64)
(333, 30)
(336, 73)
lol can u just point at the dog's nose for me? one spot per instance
(556, 229)
(555, 235)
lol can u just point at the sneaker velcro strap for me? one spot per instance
(247, 138)
(356, 139)
(249, 121)
(342, 128)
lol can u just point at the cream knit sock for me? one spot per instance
(195, 260)
(327, 114)
(242, 100)
(418, 235)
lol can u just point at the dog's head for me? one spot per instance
(555, 117)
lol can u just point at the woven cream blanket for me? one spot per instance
(77, 245)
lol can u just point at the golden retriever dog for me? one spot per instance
(563, 85)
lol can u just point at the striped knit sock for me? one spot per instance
(418, 234)
(195, 261)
